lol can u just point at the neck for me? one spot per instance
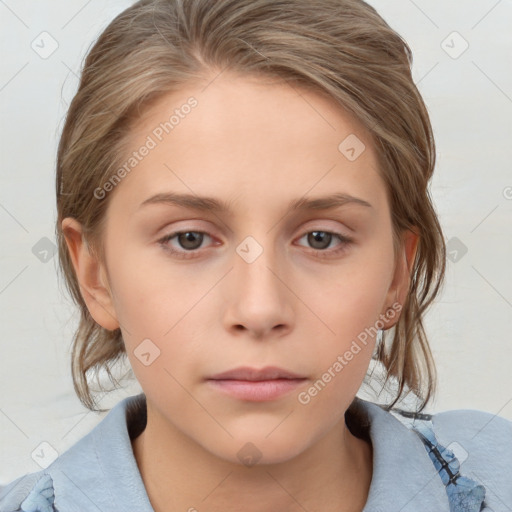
(334, 474)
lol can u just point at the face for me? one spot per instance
(243, 279)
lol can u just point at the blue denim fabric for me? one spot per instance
(41, 497)
(464, 494)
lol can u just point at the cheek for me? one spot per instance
(349, 305)
(336, 383)
(148, 293)
(157, 315)
(344, 345)
(353, 299)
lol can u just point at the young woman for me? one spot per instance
(243, 211)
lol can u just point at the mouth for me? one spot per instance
(254, 375)
(251, 384)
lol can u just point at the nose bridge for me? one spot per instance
(257, 264)
(259, 298)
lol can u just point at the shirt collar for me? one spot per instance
(100, 471)
(403, 477)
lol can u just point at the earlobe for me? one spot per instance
(91, 276)
(401, 280)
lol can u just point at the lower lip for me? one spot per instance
(256, 391)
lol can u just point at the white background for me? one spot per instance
(470, 101)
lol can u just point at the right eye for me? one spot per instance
(187, 242)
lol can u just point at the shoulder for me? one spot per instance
(30, 492)
(76, 471)
(98, 472)
(478, 430)
(479, 434)
(470, 450)
(482, 444)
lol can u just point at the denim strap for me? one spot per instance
(464, 494)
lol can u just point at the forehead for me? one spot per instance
(261, 140)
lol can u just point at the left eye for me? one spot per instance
(320, 240)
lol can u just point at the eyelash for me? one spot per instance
(186, 254)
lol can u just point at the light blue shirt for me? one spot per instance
(99, 473)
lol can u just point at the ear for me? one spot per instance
(399, 288)
(91, 276)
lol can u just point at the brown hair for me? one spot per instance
(341, 48)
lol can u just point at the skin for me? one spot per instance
(257, 145)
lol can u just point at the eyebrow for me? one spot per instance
(211, 204)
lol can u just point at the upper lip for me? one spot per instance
(254, 374)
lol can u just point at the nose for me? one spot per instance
(258, 300)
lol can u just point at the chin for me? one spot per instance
(254, 449)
